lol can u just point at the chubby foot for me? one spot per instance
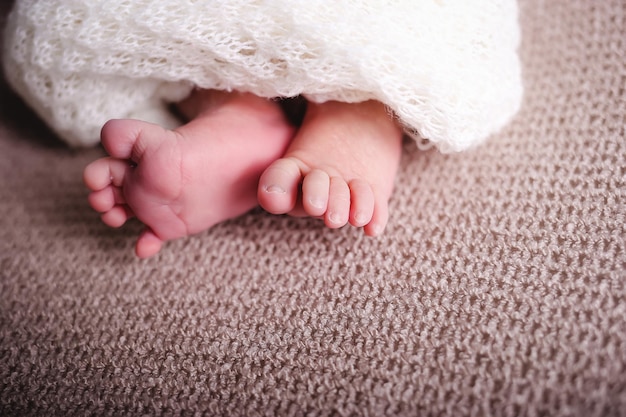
(184, 181)
(340, 167)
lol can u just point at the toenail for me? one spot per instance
(334, 218)
(274, 189)
(317, 203)
(360, 217)
(378, 229)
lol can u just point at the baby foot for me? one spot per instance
(340, 167)
(184, 181)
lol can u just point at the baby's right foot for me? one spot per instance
(340, 167)
(184, 181)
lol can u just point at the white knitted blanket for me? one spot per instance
(448, 69)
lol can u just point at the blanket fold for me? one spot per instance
(448, 70)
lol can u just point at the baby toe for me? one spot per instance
(148, 244)
(379, 219)
(128, 138)
(117, 216)
(338, 211)
(279, 186)
(315, 191)
(361, 203)
(105, 199)
(103, 172)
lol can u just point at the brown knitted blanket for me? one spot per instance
(499, 288)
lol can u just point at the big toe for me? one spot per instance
(279, 186)
(128, 138)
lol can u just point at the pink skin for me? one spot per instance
(184, 181)
(340, 167)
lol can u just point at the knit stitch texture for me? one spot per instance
(448, 70)
(498, 290)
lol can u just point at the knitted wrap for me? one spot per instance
(447, 69)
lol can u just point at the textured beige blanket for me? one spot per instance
(448, 70)
(499, 288)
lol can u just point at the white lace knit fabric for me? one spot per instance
(448, 69)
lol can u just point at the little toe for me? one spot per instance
(103, 172)
(315, 191)
(338, 211)
(148, 244)
(361, 203)
(117, 216)
(279, 186)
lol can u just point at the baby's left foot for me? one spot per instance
(340, 167)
